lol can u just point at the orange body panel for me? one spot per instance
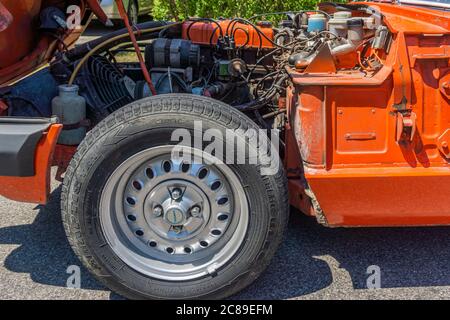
(347, 124)
(18, 57)
(34, 189)
(382, 196)
(23, 12)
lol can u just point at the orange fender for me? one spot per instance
(34, 189)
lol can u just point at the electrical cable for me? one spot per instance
(247, 35)
(261, 34)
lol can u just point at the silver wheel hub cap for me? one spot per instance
(173, 220)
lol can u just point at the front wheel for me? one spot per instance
(151, 225)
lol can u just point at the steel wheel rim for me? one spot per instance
(150, 241)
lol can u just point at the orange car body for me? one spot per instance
(363, 167)
(361, 149)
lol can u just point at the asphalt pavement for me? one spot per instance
(314, 262)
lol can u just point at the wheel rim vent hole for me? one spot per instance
(216, 185)
(203, 173)
(170, 250)
(216, 232)
(149, 173)
(222, 201)
(131, 217)
(185, 167)
(204, 244)
(222, 217)
(167, 166)
(131, 201)
(139, 233)
(137, 185)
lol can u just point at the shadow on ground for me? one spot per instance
(44, 250)
(409, 257)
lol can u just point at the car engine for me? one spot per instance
(247, 63)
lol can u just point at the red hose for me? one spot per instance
(124, 16)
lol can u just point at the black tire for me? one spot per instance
(133, 12)
(144, 124)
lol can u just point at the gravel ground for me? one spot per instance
(313, 263)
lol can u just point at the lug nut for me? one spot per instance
(176, 194)
(157, 211)
(196, 212)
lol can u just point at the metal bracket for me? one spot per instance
(406, 126)
(444, 86)
(443, 143)
(322, 62)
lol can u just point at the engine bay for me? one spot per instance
(246, 63)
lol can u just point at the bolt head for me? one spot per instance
(176, 194)
(196, 212)
(157, 211)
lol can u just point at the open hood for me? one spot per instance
(32, 31)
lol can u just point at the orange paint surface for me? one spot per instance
(34, 189)
(34, 49)
(346, 127)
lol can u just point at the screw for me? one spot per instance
(444, 144)
(157, 211)
(176, 194)
(196, 212)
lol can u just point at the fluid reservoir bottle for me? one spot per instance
(355, 30)
(70, 108)
(317, 23)
(338, 24)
